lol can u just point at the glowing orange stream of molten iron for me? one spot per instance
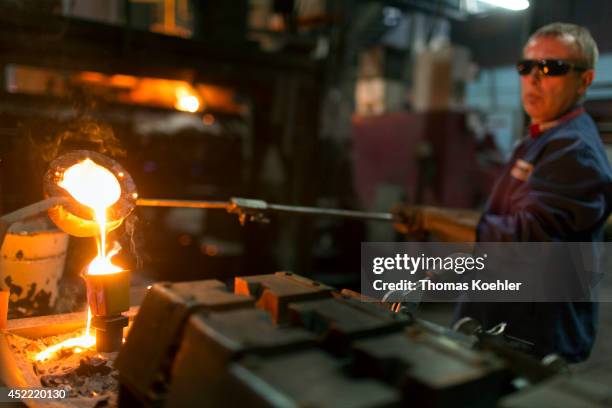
(98, 188)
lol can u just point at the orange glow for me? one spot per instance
(168, 93)
(184, 240)
(91, 184)
(124, 81)
(220, 98)
(163, 92)
(129, 89)
(186, 100)
(102, 265)
(77, 343)
(209, 249)
(96, 187)
(208, 119)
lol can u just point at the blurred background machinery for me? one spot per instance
(348, 104)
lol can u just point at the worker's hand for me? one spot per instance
(409, 219)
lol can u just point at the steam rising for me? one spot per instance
(86, 133)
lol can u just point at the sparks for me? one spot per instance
(78, 343)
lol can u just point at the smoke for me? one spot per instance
(134, 237)
(86, 133)
(83, 133)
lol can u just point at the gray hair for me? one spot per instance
(579, 36)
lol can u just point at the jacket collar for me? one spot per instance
(536, 129)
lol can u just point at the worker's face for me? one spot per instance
(545, 98)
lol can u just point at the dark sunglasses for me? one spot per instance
(548, 67)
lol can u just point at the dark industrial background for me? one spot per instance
(281, 120)
(287, 114)
(315, 103)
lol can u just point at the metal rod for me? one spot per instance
(265, 207)
(364, 215)
(155, 202)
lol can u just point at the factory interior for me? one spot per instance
(253, 148)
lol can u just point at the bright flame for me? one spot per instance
(98, 188)
(78, 343)
(102, 265)
(186, 100)
(91, 184)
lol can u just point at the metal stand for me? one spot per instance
(109, 332)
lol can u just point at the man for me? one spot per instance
(557, 186)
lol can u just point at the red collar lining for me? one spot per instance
(536, 129)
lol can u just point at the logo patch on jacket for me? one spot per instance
(521, 170)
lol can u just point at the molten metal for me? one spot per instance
(112, 188)
(92, 185)
(102, 264)
(78, 343)
(98, 188)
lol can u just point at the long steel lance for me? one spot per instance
(159, 202)
(255, 209)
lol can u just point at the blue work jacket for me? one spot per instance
(556, 187)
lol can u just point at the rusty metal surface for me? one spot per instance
(32, 263)
(145, 360)
(275, 292)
